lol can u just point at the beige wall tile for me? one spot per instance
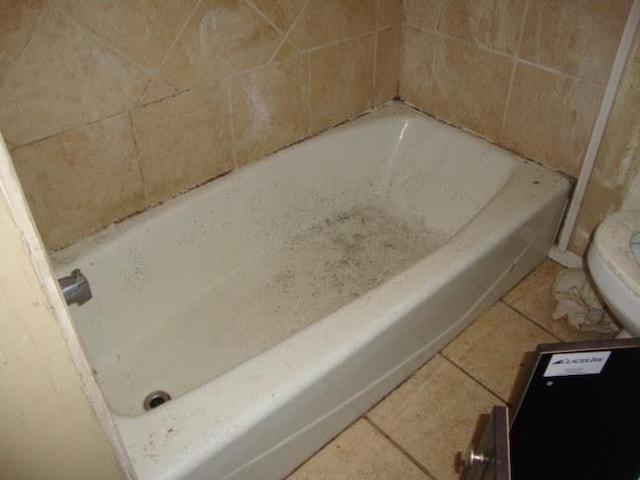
(328, 21)
(143, 29)
(10, 146)
(82, 180)
(616, 167)
(577, 37)
(62, 80)
(270, 108)
(424, 14)
(618, 160)
(389, 13)
(281, 12)
(157, 89)
(183, 142)
(495, 24)
(341, 82)
(470, 87)
(387, 64)
(18, 21)
(223, 37)
(482, 352)
(285, 52)
(434, 414)
(359, 453)
(550, 116)
(416, 69)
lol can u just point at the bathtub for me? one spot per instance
(277, 304)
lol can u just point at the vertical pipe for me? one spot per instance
(597, 133)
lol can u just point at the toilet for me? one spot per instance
(614, 262)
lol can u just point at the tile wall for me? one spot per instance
(110, 107)
(526, 74)
(617, 165)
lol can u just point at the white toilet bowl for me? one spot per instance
(615, 269)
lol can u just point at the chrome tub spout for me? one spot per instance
(75, 288)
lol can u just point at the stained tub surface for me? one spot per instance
(277, 303)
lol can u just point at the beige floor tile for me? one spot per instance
(434, 415)
(532, 297)
(360, 452)
(493, 349)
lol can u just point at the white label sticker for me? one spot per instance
(582, 363)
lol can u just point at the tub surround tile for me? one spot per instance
(183, 141)
(157, 89)
(470, 87)
(416, 69)
(18, 21)
(482, 352)
(533, 298)
(93, 167)
(222, 38)
(281, 12)
(577, 37)
(387, 65)
(143, 30)
(10, 146)
(550, 116)
(618, 160)
(360, 452)
(389, 13)
(423, 14)
(286, 51)
(434, 414)
(341, 82)
(329, 21)
(494, 24)
(270, 108)
(72, 80)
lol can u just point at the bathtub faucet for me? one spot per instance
(75, 288)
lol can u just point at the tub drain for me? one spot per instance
(155, 399)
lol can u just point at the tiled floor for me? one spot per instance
(418, 430)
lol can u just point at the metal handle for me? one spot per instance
(472, 457)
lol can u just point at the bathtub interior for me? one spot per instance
(199, 285)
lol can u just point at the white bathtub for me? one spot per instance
(277, 304)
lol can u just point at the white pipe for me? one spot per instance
(626, 41)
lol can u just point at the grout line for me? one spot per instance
(232, 130)
(376, 14)
(37, 26)
(543, 327)
(251, 5)
(309, 95)
(516, 52)
(338, 42)
(156, 70)
(138, 158)
(515, 57)
(399, 447)
(17, 146)
(375, 67)
(434, 63)
(178, 36)
(475, 380)
(286, 35)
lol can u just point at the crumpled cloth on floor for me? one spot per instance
(579, 303)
